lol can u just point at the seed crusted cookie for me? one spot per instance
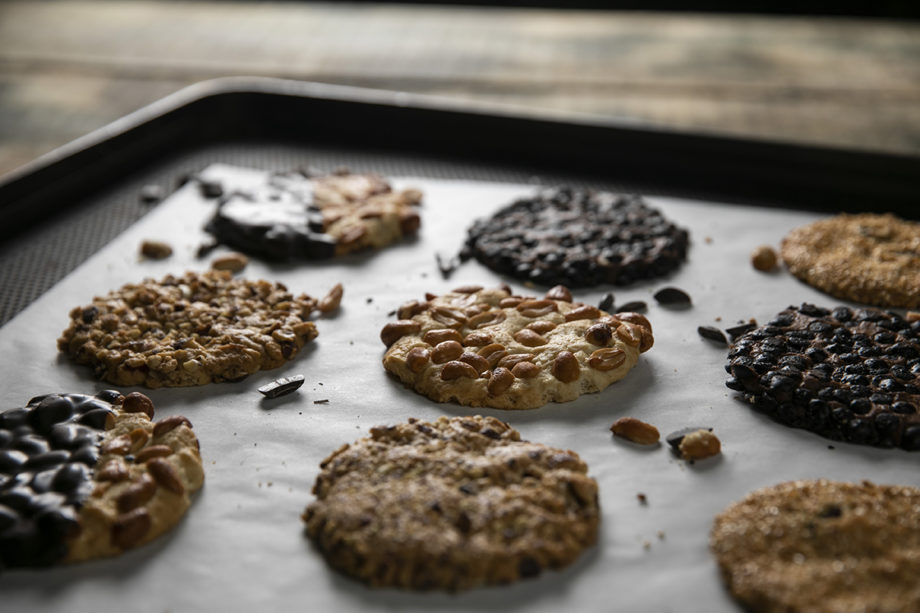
(822, 546)
(845, 374)
(868, 258)
(488, 347)
(191, 330)
(84, 477)
(578, 238)
(294, 216)
(452, 504)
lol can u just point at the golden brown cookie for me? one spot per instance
(822, 546)
(868, 258)
(85, 477)
(452, 504)
(487, 347)
(190, 330)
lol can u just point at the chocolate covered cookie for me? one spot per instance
(294, 216)
(190, 330)
(451, 504)
(578, 238)
(845, 374)
(85, 477)
(488, 347)
(822, 546)
(868, 258)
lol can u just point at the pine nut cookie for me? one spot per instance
(868, 258)
(191, 330)
(85, 477)
(822, 546)
(294, 216)
(452, 504)
(487, 347)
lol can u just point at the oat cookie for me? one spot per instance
(487, 347)
(822, 546)
(190, 330)
(85, 477)
(452, 504)
(846, 374)
(294, 216)
(578, 238)
(874, 259)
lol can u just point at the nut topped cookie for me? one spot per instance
(822, 546)
(488, 347)
(579, 238)
(85, 477)
(451, 504)
(868, 258)
(190, 330)
(851, 375)
(293, 216)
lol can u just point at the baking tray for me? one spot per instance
(241, 545)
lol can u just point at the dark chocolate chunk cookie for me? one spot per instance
(293, 216)
(89, 476)
(845, 374)
(451, 504)
(578, 238)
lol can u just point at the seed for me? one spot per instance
(451, 318)
(510, 302)
(763, 258)
(565, 367)
(500, 381)
(713, 334)
(394, 331)
(636, 306)
(331, 301)
(559, 292)
(352, 235)
(282, 386)
(234, 262)
(155, 250)
(417, 359)
(606, 302)
(672, 296)
(635, 430)
(634, 318)
(114, 470)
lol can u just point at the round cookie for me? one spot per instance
(578, 238)
(453, 504)
(822, 546)
(487, 347)
(85, 477)
(190, 330)
(845, 374)
(868, 258)
(294, 216)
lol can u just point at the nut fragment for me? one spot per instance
(565, 367)
(165, 474)
(433, 337)
(331, 301)
(500, 381)
(607, 358)
(156, 250)
(525, 370)
(170, 423)
(912, 316)
(510, 302)
(154, 451)
(417, 359)
(585, 311)
(136, 493)
(529, 338)
(559, 292)
(411, 308)
(467, 289)
(135, 402)
(234, 262)
(635, 430)
(763, 258)
(395, 330)
(699, 444)
(446, 351)
(139, 438)
(455, 370)
(129, 528)
(599, 334)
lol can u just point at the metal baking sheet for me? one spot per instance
(241, 545)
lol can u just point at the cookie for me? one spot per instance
(868, 258)
(487, 347)
(85, 477)
(294, 216)
(451, 505)
(578, 238)
(845, 374)
(822, 546)
(190, 330)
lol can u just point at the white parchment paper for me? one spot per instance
(241, 546)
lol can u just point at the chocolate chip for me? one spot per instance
(736, 331)
(713, 334)
(636, 306)
(672, 296)
(606, 302)
(283, 386)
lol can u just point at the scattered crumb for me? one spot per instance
(642, 498)
(661, 535)
(156, 250)
(646, 545)
(763, 258)
(718, 319)
(707, 240)
(323, 401)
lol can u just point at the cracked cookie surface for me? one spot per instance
(451, 504)
(487, 347)
(868, 258)
(822, 546)
(193, 329)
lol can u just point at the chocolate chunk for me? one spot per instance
(636, 306)
(736, 331)
(713, 334)
(672, 296)
(606, 302)
(283, 386)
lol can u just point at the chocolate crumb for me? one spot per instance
(672, 296)
(636, 306)
(323, 401)
(712, 334)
